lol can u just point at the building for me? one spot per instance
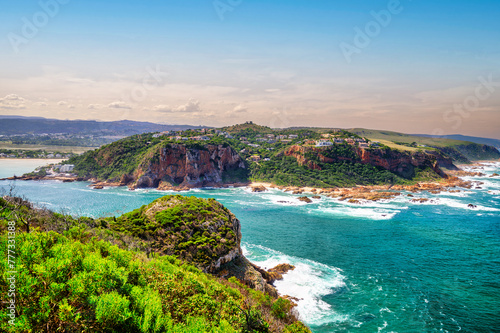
(66, 168)
(338, 141)
(324, 143)
(350, 141)
(293, 136)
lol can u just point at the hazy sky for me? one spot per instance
(413, 66)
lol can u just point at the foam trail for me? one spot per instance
(308, 282)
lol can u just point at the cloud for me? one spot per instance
(95, 106)
(40, 104)
(190, 107)
(62, 103)
(12, 102)
(119, 105)
(12, 97)
(240, 109)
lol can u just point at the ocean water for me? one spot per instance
(392, 266)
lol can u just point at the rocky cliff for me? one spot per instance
(178, 165)
(403, 164)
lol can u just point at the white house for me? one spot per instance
(324, 143)
(66, 168)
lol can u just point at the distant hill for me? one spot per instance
(18, 125)
(248, 126)
(475, 139)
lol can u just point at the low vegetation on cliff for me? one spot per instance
(83, 275)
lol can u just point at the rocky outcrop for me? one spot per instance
(178, 165)
(403, 164)
(200, 231)
(259, 188)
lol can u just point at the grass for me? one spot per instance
(393, 145)
(379, 135)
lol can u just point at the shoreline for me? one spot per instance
(353, 194)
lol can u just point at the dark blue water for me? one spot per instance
(391, 267)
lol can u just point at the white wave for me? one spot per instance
(455, 194)
(363, 212)
(308, 282)
(456, 204)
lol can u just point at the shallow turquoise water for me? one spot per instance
(394, 266)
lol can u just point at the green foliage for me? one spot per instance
(71, 281)
(96, 287)
(466, 153)
(296, 327)
(281, 308)
(286, 171)
(112, 161)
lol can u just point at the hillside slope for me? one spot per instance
(145, 161)
(110, 275)
(459, 151)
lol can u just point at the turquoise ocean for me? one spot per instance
(391, 266)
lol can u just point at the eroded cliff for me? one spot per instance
(403, 164)
(178, 165)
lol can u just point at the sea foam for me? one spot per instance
(308, 282)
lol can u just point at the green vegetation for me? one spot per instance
(72, 278)
(287, 172)
(403, 138)
(247, 128)
(198, 230)
(116, 159)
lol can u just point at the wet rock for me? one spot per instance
(259, 188)
(305, 199)
(420, 200)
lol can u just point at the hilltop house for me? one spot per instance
(324, 143)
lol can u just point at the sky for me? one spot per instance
(415, 66)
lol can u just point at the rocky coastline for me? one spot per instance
(450, 183)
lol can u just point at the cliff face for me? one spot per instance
(192, 167)
(403, 164)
